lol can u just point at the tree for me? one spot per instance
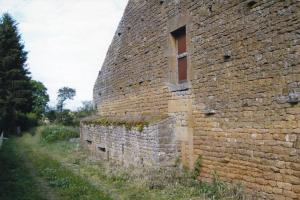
(40, 98)
(51, 113)
(15, 87)
(85, 110)
(64, 94)
(87, 106)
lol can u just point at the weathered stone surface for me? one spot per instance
(154, 146)
(243, 64)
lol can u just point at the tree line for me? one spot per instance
(19, 95)
(23, 101)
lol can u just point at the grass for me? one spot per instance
(53, 133)
(63, 163)
(16, 183)
(62, 180)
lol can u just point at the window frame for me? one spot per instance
(177, 34)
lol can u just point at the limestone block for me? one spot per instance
(181, 105)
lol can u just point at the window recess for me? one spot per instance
(181, 48)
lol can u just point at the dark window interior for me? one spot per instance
(102, 149)
(89, 141)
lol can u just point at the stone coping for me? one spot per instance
(128, 122)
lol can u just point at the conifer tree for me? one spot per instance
(15, 88)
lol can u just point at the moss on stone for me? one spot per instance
(129, 125)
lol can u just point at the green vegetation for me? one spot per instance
(55, 133)
(197, 167)
(68, 117)
(41, 98)
(128, 124)
(22, 100)
(16, 183)
(64, 94)
(139, 125)
(62, 163)
(63, 181)
(15, 91)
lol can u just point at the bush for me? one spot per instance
(51, 115)
(27, 121)
(66, 117)
(55, 133)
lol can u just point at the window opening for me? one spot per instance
(181, 47)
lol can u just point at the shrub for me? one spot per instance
(66, 117)
(27, 121)
(51, 115)
(55, 133)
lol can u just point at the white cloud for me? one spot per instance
(67, 40)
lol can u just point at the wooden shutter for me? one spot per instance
(182, 69)
(180, 38)
(181, 43)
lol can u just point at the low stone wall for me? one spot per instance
(155, 145)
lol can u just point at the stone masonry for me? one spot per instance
(239, 107)
(154, 146)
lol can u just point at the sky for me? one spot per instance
(67, 40)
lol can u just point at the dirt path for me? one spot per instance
(44, 188)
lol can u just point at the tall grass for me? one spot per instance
(69, 185)
(63, 181)
(129, 183)
(53, 133)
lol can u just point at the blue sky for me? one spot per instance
(67, 40)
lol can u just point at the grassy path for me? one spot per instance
(42, 185)
(34, 170)
(16, 180)
(26, 174)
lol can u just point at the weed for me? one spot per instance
(58, 133)
(129, 125)
(69, 185)
(197, 167)
(120, 182)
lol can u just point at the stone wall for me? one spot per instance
(239, 108)
(155, 145)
